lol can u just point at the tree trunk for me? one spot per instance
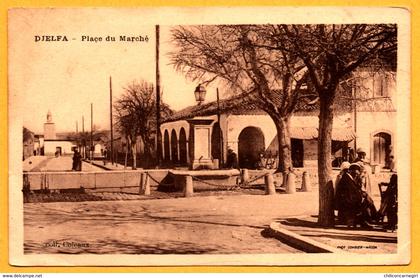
(146, 161)
(326, 189)
(134, 153)
(283, 137)
(148, 154)
(126, 156)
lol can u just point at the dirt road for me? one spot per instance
(197, 225)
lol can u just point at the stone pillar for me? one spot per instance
(269, 184)
(188, 186)
(188, 151)
(306, 183)
(290, 184)
(284, 177)
(244, 176)
(146, 184)
(141, 188)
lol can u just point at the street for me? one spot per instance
(51, 163)
(197, 225)
(218, 224)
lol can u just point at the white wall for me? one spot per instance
(236, 123)
(50, 147)
(368, 124)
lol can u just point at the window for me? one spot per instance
(380, 85)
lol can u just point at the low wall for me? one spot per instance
(206, 179)
(90, 180)
(169, 179)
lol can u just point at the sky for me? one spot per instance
(65, 77)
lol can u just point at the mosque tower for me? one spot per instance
(49, 128)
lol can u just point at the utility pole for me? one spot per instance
(221, 162)
(158, 135)
(353, 93)
(91, 132)
(83, 137)
(110, 119)
(77, 137)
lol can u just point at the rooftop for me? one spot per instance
(248, 105)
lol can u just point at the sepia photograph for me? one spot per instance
(209, 136)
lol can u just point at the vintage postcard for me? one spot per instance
(209, 136)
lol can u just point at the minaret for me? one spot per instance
(49, 128)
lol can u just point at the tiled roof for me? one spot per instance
(307, 133)
(378, 105)
(247, 105)
(237, 105)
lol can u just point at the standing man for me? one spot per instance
(77, 161)
(365, 170)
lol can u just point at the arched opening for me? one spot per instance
(216, 142)
(250, 145)
(381, 148)
(182, 147)
(166, 151)
(174, 146)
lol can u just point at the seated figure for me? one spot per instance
(389, 203)
(349, 197)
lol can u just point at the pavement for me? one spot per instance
(305, 234)
(52, 163)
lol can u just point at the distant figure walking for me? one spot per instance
(77, 161)
(232, 160)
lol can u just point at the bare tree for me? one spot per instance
(82, 139)
(27, 134)
(331, 54)
(251, 63)
(135, 115)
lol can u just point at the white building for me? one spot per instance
(51, 145)
(191, 136)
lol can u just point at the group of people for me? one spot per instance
(353, 199)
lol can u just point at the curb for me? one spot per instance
(303, 243)
(98, 165)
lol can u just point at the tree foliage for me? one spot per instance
(332, 53)
(250, 62)
(27, 135)
(135, 115)
(285, 64)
